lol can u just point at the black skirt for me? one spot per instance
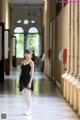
(22, 85)
(20, 88)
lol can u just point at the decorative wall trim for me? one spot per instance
(59, 86)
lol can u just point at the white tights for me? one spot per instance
(27, 95)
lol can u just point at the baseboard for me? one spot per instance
(59, 86)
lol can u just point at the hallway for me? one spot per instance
(47, 103)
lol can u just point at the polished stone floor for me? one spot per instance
(47, 103)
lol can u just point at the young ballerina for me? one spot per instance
(26, 82)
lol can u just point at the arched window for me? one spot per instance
(19, 34)
(33, 40)
(18, 30)
(33, 30)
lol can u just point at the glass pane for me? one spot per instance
(13, 46)
(33, 30)
(26, 22)
(19, 45)
(19, 21)
(33, 43)
(32, 21)
(18, 30)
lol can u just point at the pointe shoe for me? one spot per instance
(28, 113)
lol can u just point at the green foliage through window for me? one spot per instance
(19, 45)
(33, 43)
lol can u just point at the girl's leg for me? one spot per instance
(27, 95)
(23, 92)
(28, 100)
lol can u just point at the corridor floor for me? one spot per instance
(47, 103)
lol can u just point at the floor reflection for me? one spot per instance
(47, 104)
(28, 117)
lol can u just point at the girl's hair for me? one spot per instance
(28, 51)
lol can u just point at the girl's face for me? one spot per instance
(27, 55)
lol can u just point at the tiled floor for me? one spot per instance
(47, 104)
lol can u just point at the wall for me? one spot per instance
(5, 13)
(0, 10)
(49, 18)
(64, 35)
(31, 12)
(4, 18)
(21, 13)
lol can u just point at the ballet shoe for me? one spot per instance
(28, 113)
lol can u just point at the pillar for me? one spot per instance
(1, 52)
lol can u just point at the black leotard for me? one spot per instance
(25, 76)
